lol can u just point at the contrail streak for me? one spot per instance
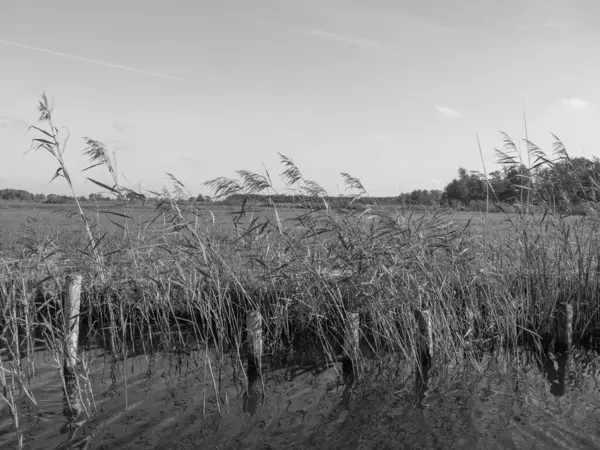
(93, 61)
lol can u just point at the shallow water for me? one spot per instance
(170, 401)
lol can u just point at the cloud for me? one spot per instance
(435, 182)
(448, 112)
(574, 103)
(344, 38)
(94, 61)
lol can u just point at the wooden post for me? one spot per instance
(254, 396)
(569, 326)
(425, 337)
(563, 326)
(570, 362)
(351, 345)
(353, 333)
(255, 340)
(71, 308)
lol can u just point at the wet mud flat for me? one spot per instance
(198, 400)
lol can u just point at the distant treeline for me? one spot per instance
(417, 197)
(565, 183)
(24, 196)
(568, 182)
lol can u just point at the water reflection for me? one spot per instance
(254, 394)
(201, 401)
(555, 368)
(74, 412)
(421, 380)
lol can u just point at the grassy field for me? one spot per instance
(16, 218)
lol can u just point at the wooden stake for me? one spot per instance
(71, 308)
(351, 346)
(563, 326)
(425, 336)
(255, 340)
(254, 396)
(569, 326)
(352, 334)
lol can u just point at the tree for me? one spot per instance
(16, 194)
(466, 188)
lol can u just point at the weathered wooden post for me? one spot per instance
(253, 398)
(425, 337)
(353, 333)
(559, 363)
(254, 336)
(351, 345)
(425, 349)
(71, 308)
(569, 363)
(569, 326)
(563, 325)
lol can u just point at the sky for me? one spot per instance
(390, 91)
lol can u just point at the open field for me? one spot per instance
(18, 217)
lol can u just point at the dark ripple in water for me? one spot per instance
(170, 402)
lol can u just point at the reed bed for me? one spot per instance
(184, 278)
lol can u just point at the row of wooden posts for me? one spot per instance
(351, 341)
(254, 322)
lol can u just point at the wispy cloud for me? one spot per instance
(344, 38)
(94, 61)
(574, 103)
(448, 112)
